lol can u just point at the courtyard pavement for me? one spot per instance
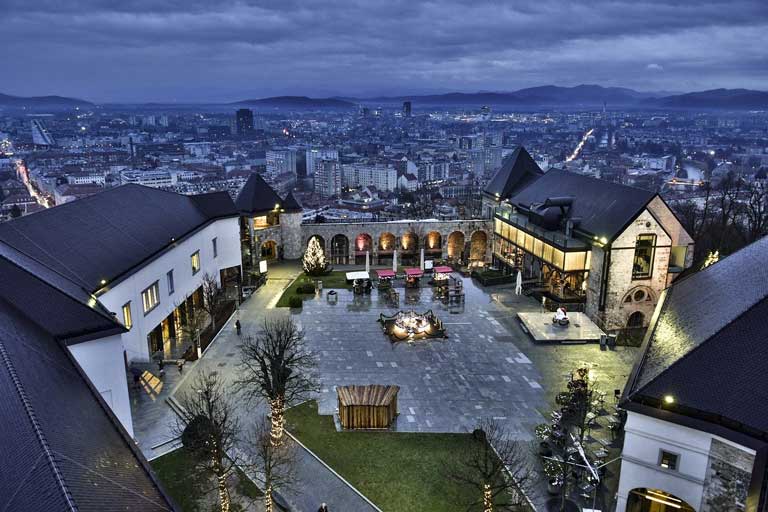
(488, 367)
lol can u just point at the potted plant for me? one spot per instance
(553, 471)
(543, 432)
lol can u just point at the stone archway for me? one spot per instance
(636, 320)
(433, 245)
(478, 246)
(363, 244)
(409, 248)
(456, 246)
(656, 500)
(268, 250)
(339, 249)
(386, 247)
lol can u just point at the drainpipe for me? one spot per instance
(604, 277)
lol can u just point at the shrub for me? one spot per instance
(295, 302)
(307, 288)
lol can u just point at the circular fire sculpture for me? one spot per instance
(410, 326)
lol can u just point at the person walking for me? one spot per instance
(180, 365)
(238, 327)
(323, 508)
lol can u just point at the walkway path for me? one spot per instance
(153, 418)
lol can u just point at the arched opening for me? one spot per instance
(456, 246)
(269, 250)
(636, 320)
(363, 244)
(409, 247)
(655, 500)
(320, 240)
(339, 250)
(386, 248)
(477, 246)
(433, 245)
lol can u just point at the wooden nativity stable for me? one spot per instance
(367, 407)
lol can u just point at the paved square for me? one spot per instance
(446, 385)
(580, 328)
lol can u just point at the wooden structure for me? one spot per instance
(367, 407)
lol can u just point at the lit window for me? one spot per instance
(195, 262)
(642, 264)
(215, 247)
(668, 460)
(169, 277)
(150, 297)
(127, 320)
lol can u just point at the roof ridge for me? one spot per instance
(695, 348)
(32, 417)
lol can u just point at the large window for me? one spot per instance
(169, 278)
(150, 297)
(195, 258)
(127, 319)
(642, 264)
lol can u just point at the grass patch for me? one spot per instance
(191, 492)
(336, 279)
(397, 471)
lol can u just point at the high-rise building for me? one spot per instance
(244, 121)
(281, 161)
(406, 109)
(315, 154)
(328, 177)
(365, 175)
(40, 134)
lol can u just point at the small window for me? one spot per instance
(668, 460)
(642, 264)
(215, 247)
(169, 277)
(195, 258)
(151, 297)
(127, 320)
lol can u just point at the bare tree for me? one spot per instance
(192, 329)
(756, 211)
(272, 466)
(496, 466)
(209, 430)
(213, 297)
(276, 366)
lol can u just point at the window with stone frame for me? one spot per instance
(642, 263)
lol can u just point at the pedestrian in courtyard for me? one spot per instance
(180, 365)
(323, 508)
(237, 326)
(161, 369)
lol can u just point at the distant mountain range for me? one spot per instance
(532, 97)
(298, 102)
(544, 96)
(41, 102)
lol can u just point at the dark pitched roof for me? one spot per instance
(257, 196)
(61, 447)
(291, 204)
(105, 235)
(708, 347)
(604, 208)
(518, 170)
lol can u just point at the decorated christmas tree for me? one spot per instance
(314, 260)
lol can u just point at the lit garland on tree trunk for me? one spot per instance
(268, 502)
(487, 498)
(277, 406)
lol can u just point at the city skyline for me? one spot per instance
(189, 52)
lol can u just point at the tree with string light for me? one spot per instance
(272, 466)
(276, 366)
(314, 261)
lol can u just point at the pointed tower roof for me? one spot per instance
(257, 196)
(291, 204)
(517, 171)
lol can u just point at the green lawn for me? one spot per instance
(336, 279)
(397, 471)
(187, 490)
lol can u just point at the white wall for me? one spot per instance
(102, 361)
(227, 233)
(644, 438)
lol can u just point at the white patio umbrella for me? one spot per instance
(394, 261)
(421, 260)
(519, 283)
(367, 262)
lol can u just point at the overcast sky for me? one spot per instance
(222, 50)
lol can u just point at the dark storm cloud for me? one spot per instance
(205, 50)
